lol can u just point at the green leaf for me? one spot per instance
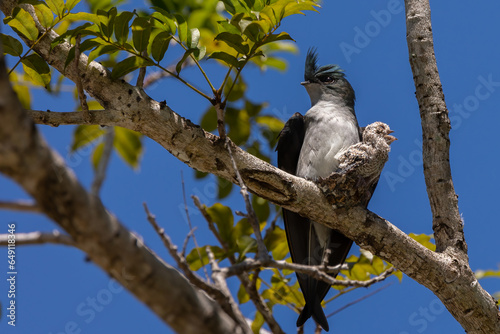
(107, 20)
(97, 155)
(84, 135)
(128, 145)
(224, 188)
(193, 38)
(22, 23)
(70, 4)
(257, 323)
(225, 57)
(424, 240)
(22, 90)
(182, 27)
(178, 67)
(245, 245)
(37, 69)
(122, 26)
(239, 125)
(226, 26)
(101, 50)
(141, 31)
(43, 13)
(160, 45)
(200, 52)
(235, 6)
(254, 32)
(278, 37)
(83, 16)
(11, 46)
(128, 65)
(223, 218)
(234, 41)
(261, 208)
(168, 20)
(242, 295)
(56, 6)
(275, 241)
(209, 120)
(487, 273)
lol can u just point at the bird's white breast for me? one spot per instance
(329, 131)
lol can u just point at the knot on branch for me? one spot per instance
(359, 168)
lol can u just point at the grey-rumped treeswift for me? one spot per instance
(309, 146)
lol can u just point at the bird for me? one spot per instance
(310, 146)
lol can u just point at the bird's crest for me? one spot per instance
(312, 71)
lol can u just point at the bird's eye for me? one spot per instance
(327, 79)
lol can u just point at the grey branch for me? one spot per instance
(448, 276)
(100, 173)
(39, 238)
(222, 295)
(21, 205)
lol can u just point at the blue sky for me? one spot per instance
(59, 292)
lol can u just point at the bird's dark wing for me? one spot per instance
(299, 230)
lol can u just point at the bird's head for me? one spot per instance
(326, 82)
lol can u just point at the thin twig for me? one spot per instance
(221, 284)
(252, 217)
(358, 300)
(38, 238)
(142, 73)
(186, 240)
(181, 261)
(254, 295)
(223, 299)
(191, 230)
(21, 205)
(102, 166)
(78, 81)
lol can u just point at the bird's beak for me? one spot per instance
(390, 138)
(303, 83)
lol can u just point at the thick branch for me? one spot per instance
(26, 158)
(39, 238)
(446, 221)
(130, 107)
(473, 307)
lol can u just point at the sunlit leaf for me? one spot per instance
(225, 57)
(128, 145)
(257, 322)
(86, 134)
(56, 6)
(193, 38)
(160, 45)
(122, 26)
(141, 31)
(22, 23)
(37, 69)
(424, 240)
(182, 27)
(233, 40)
(128, 65)
(223, 218)
(70, 4)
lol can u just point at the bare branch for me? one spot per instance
(26, 206)
(252, 217)
(358, 300)
(78, 81)
(100, 173)
(39, 238)
(222, 295)
(191, 230)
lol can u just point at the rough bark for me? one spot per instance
(26, 158)
(445, 273)
(479, 315)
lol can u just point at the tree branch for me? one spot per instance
(26, 158)
(127, 106)
(26, 206)
(39, 238)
